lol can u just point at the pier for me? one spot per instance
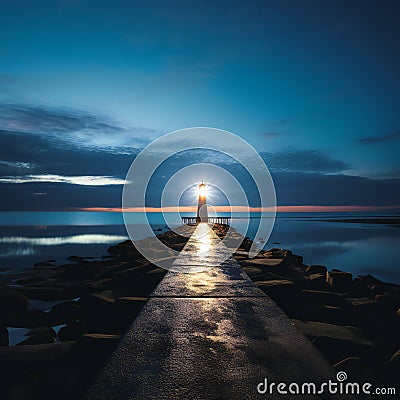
(208, 335)
(210, 220)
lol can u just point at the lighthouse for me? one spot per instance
(202, 212)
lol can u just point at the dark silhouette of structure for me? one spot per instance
(202, 212)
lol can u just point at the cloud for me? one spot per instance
(73, 180)
(16, 164)
(15, 167)
(46, 155)
(310, 161)
(48, 162)
(297, 188)
(378, 139)
(73, 127)
(17, 197)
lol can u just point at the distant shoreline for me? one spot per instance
(380, 221)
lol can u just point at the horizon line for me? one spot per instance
(303, 208)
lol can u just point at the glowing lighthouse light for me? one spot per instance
(202, 212)
(202, 189)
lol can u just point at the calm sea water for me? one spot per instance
(29, 237)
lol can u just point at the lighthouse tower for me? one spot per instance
(202, 212)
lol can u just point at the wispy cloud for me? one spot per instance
(310, 161)
(379, 139)
(47, 155)
(74, 127)
(73, 180)
(17, 164)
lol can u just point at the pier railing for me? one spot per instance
(210, 220)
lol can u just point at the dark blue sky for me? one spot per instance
(313, 85)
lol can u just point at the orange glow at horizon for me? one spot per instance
(307, 208)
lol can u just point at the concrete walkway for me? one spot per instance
(208, 335)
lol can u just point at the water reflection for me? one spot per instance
(18, 252)
(357, 248)
(23, 246)
(202, 240)
(61, 240)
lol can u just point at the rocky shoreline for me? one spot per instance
(353, 322)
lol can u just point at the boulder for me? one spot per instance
(339, 280)
(246, 244)
(99, 285)
(316, 269)
(282, 291)
(109, 312)
(48, 293)
(37, 339)
(30, 279)
(323, 298)
(385, 288)
(257, 273)
(349, 334)
(96, 302)
(139, 283)
(108, 269)
(75, 258)
(130, 275)
(62, 313)
(265, 262)
(77, 271)
(39, 336)
(43, 264)
(71, 331)
(31, 354)
(22, 391)
(320, 313)
(124, 250)
(317, 281)
(98, 313)
(130, 305)
(337, 342)
(389, 301)
(364, 309)
(365, 282)
(35, 319)
(30, 319)
(284, 254)
(97, 339)
(361, 302)
(44, 330)
(12, 304)
(95, 347)
(395, 359)
(241, 253)
(3, 336)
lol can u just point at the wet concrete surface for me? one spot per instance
(208, 335)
